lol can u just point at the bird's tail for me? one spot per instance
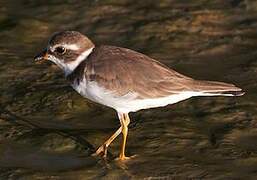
(213, 88)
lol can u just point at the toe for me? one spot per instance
(101, 151)
(125, 158)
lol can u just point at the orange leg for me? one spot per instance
(124, 120)
(103, 149)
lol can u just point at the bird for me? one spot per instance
(123, 79)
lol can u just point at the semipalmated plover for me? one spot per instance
(123, 79)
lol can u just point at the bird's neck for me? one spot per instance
(71, 66)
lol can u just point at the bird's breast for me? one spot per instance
(95, 92)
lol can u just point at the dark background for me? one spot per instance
(47, 131)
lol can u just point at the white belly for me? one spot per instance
(128, 102)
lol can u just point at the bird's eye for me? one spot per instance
(60, 50)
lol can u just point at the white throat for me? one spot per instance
(69, 67)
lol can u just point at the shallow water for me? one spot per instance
(48, 131)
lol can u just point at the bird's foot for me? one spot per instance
(101, 151)
(125, 158)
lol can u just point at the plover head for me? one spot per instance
(67, 49)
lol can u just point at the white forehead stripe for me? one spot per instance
(71, 46)
(67, 46)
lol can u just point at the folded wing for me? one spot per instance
(125, 71)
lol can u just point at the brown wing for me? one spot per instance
(123, 71)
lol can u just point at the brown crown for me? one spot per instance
(71, 37)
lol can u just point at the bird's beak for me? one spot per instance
(41, 57)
